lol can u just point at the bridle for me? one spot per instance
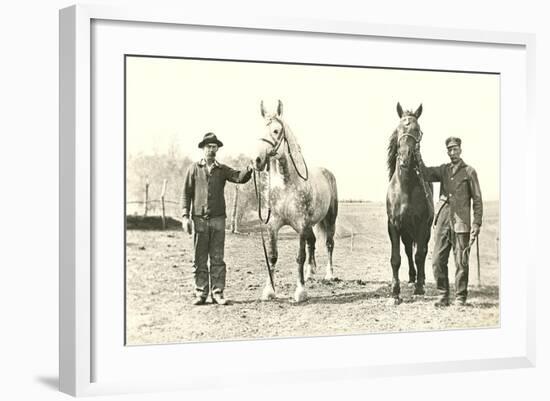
(275, 146)
(272, 153)
(416, 168)
(417, 139)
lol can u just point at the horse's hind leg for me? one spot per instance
(269, 290)
(395, 262)
(311, 263)
(330, 231)
(408, 242)
(300, 294)
(329, 227)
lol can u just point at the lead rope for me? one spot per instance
(468, 247)
(259, 199)
(472, 240)
(266, 257)
(429, 198)
(420, 176)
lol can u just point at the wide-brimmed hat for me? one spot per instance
(453, 141)
(210, 137)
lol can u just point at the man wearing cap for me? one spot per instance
(203, 201)
(459, 188)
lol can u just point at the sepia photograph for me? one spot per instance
(270, 200)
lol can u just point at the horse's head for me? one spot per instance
(270, 143)
(408, 135)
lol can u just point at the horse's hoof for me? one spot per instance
(300, 295)
(396, 301)
(267, 294)
(308, 275)
(329, 277)
(311, 269)
(419, 291)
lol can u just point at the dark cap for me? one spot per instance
(453, 141)
(210, 137)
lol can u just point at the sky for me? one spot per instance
(342, 117)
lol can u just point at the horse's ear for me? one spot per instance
(280, 108)
(399, 110)
(418, 111)
(262, 108)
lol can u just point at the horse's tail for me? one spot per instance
(333, 208)
(328, 224)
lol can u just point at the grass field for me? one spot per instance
(159, 286)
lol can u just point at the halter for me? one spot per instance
(276, 145)
(416, 139)
(282, 138)
(273, 152)
(274, 149)
(417, 170)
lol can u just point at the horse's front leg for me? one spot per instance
(311, 263)
(408, 242)
(272, 255)
(300, 294)
(395, 262)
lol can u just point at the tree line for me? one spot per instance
(150, 170)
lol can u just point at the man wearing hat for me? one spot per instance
(459, 189)
(203, 201)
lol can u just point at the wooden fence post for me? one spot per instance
(162, 204)
(146, 197)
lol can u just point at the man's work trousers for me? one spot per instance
(445, 239)
(209, 241)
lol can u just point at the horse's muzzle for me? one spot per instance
(404, 164)
(259, 164)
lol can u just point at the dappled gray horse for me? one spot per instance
(298, 197)
(409, 203)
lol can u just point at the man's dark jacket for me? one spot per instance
(203, 192)
(458, 188)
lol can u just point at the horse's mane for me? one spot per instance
(295, 148)
(392, 153)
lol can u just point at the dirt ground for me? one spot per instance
(159, 286)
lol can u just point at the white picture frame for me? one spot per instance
(78, 163)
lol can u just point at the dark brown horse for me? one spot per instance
(409, 203)
(305, 199)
